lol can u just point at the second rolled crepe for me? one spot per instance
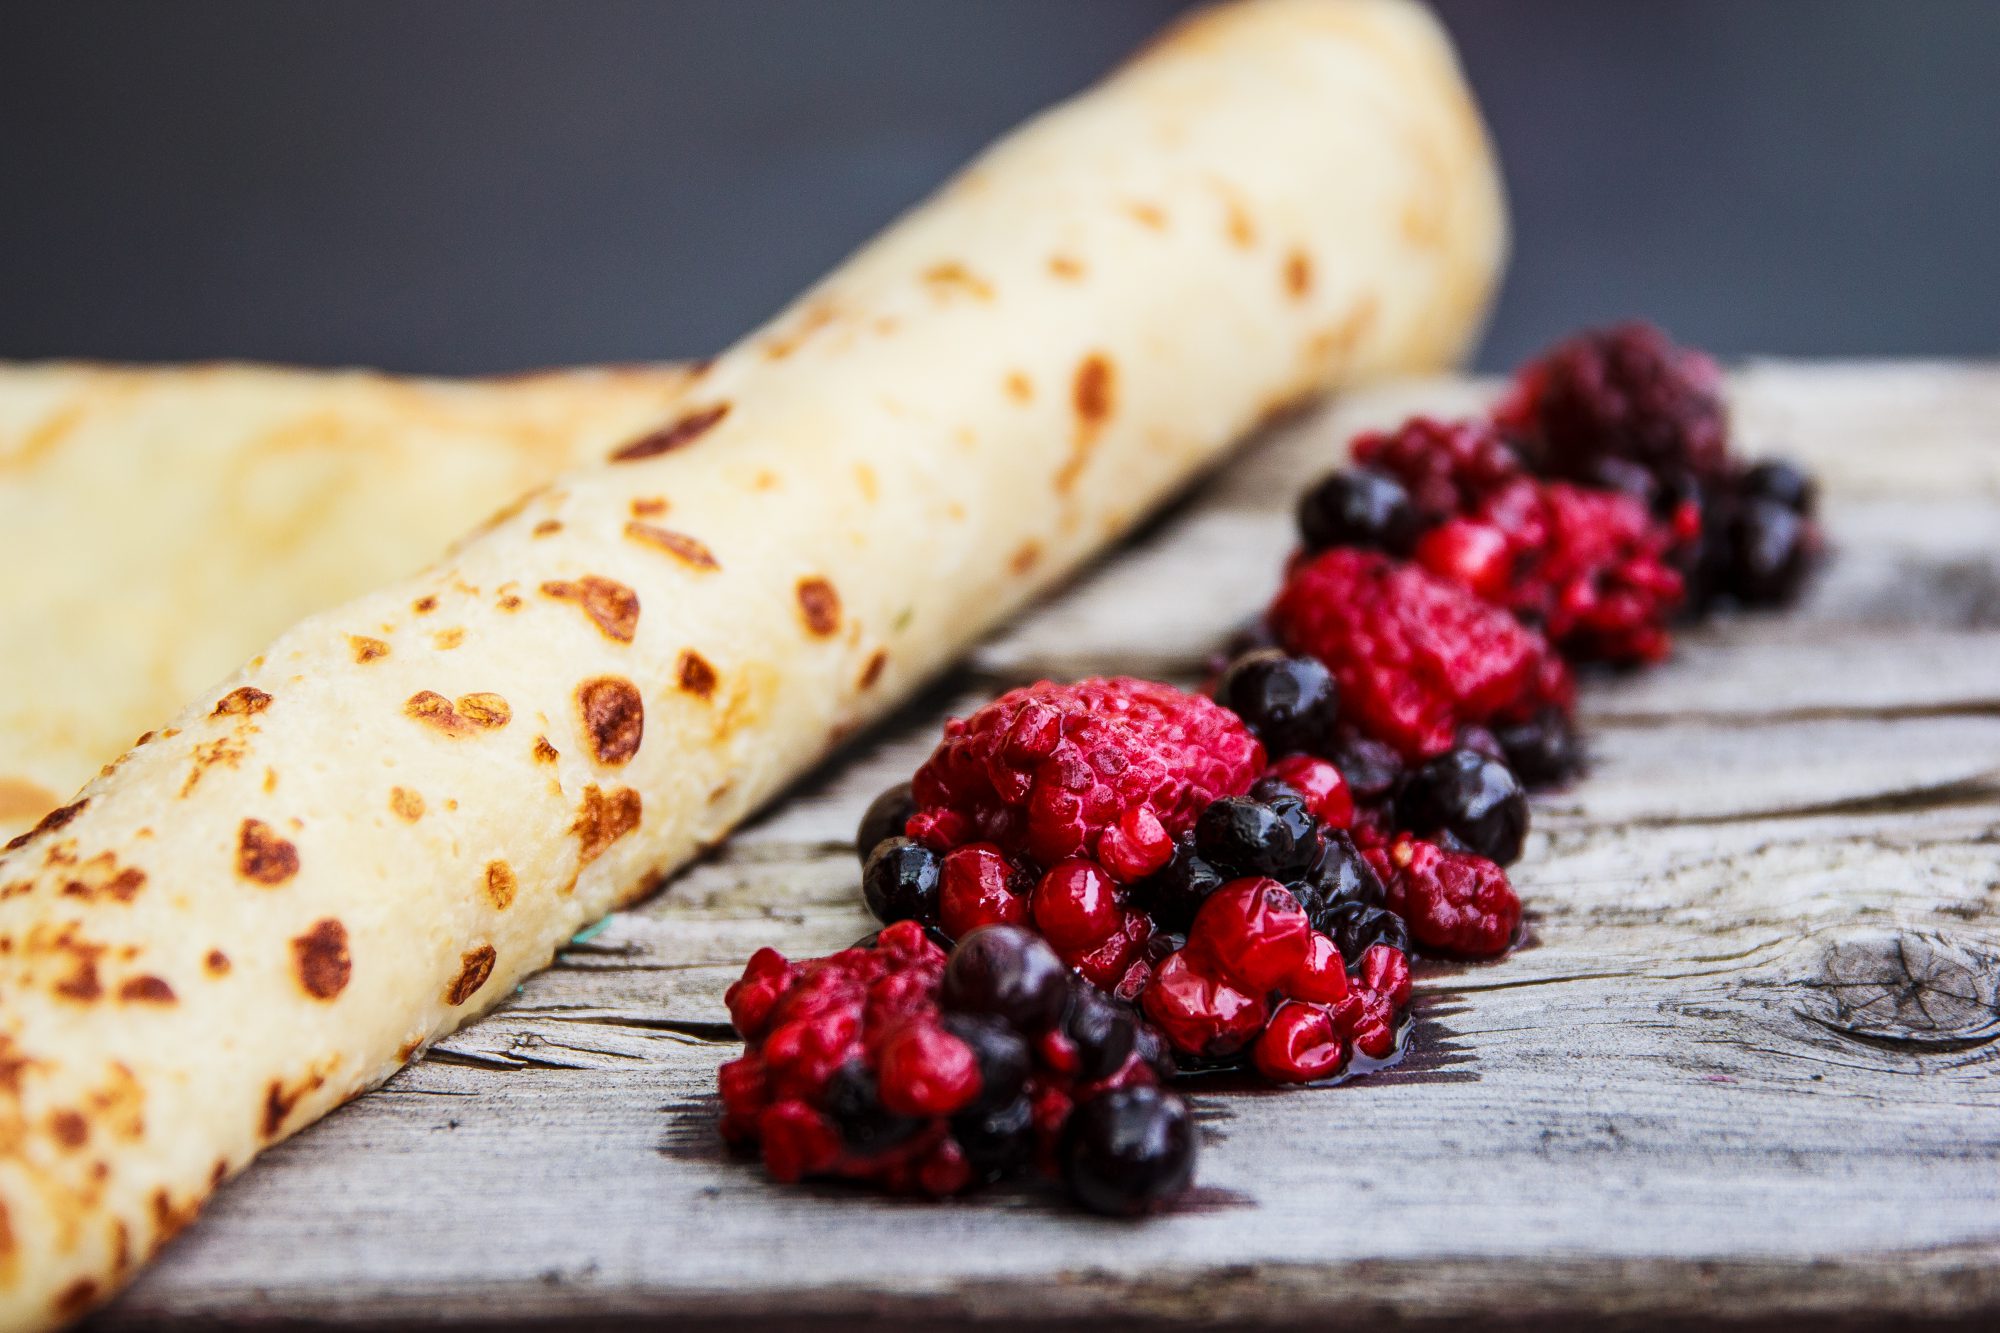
(372, 830)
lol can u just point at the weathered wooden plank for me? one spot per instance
(1745, 1065)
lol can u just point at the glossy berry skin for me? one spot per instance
(998, 1052)
(884, 819)
(1075, 905)
(1769, 551)
(1355, 928)
(1199, 1013)
(1782, 482)
(979, 886)
(1340, 876)
(1172, 895)
(1544, 750)
(1290, 703)
(1009, 973)
(1102, 1033)
(1128, 1152)
(1317, 782)
(1371, 769)
(1243, 836)
(1300, 1045)
(900, 882)
(1478, 800)
(1454, 903)
(1358, 507)
(998, 1142)
(1253, 933)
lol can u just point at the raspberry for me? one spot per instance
(1200, 1014)
(1253, 933)
(1322, 976)
(1046, 770)
(893, 1065)
(1455, 903)
(1620, 395)
(1299, 1046)
(1448, 467)
(1600, 586)
(1415, 656)
(1320, 785)
(979, 887)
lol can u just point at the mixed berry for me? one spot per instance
(1091, 887)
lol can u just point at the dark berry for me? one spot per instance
(1340, 876)
(900, 882)
(1358, 507)
(1372, 768)
(1154, 1050)
(1179, 889)
(1315, 781)
(1769, 552)
(1002, 1056)
(1356, 928)
(1289, 702)
(1104, 1033)
(855, 1106)
(884, 819)
(1242, 836)
(1128, 1151)
(1787, 483)
(998, 1142)
(1009, 973)
(1476, 799)
(1543, 750)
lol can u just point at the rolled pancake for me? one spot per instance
(403, 805)
(159, 525)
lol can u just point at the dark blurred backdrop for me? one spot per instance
(464, 185)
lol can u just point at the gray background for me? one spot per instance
(463, 186)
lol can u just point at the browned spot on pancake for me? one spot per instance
(54, 819)
(1241, 227)
(82, 983)
(264, 857)
(675, 435)
(694, 674)
(864, 479)
(1094, 393)
(74, 1299)
(548, 527)
(686, 549)
(472, 712)
(447, 639)
(603, 819)
(872, 672)
(270, 780)
(102, 877)
(816, 317)
(611, 606)
(1298, 273)
(121, 1247)
(952, 278)
(508, 602)
(217, 963)
(1066, 268)
(649, 506)
(146, 990)
(1150, 216)
(474, 966)
(279, 1101)
(819, 606)
(241, 702)
(69, 1128)
(500, 885)
(1025, 557)
(409, 1048)
(614, 717)
(320, 958)
(365, 648)
(544, 752)
(424, 605)
(170, 1219)
(408, 805)
(765, 480)
(224, 751)
(1020, 388)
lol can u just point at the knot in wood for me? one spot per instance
(1915, 990)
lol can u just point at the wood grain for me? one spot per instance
(1745, 1069)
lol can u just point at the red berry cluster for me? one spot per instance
(892, 1063)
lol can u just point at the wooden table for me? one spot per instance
(1747, 1067)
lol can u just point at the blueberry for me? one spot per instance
(1289, 702)
(1103, 1031)
(1356, 927)
(900, 882)
(1239, 835)
(1340, 877)
(1172, 894)
(1009, 973)
(1768, 551)
(1784, 482)
(997, 1143)
(1543, 750)
(1358, 507)
(1003, 1057)
(1371, 768)
(1128, 1151)
(854, 1103)
(1155, 1051)
(1476, 799)
(884, 819)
